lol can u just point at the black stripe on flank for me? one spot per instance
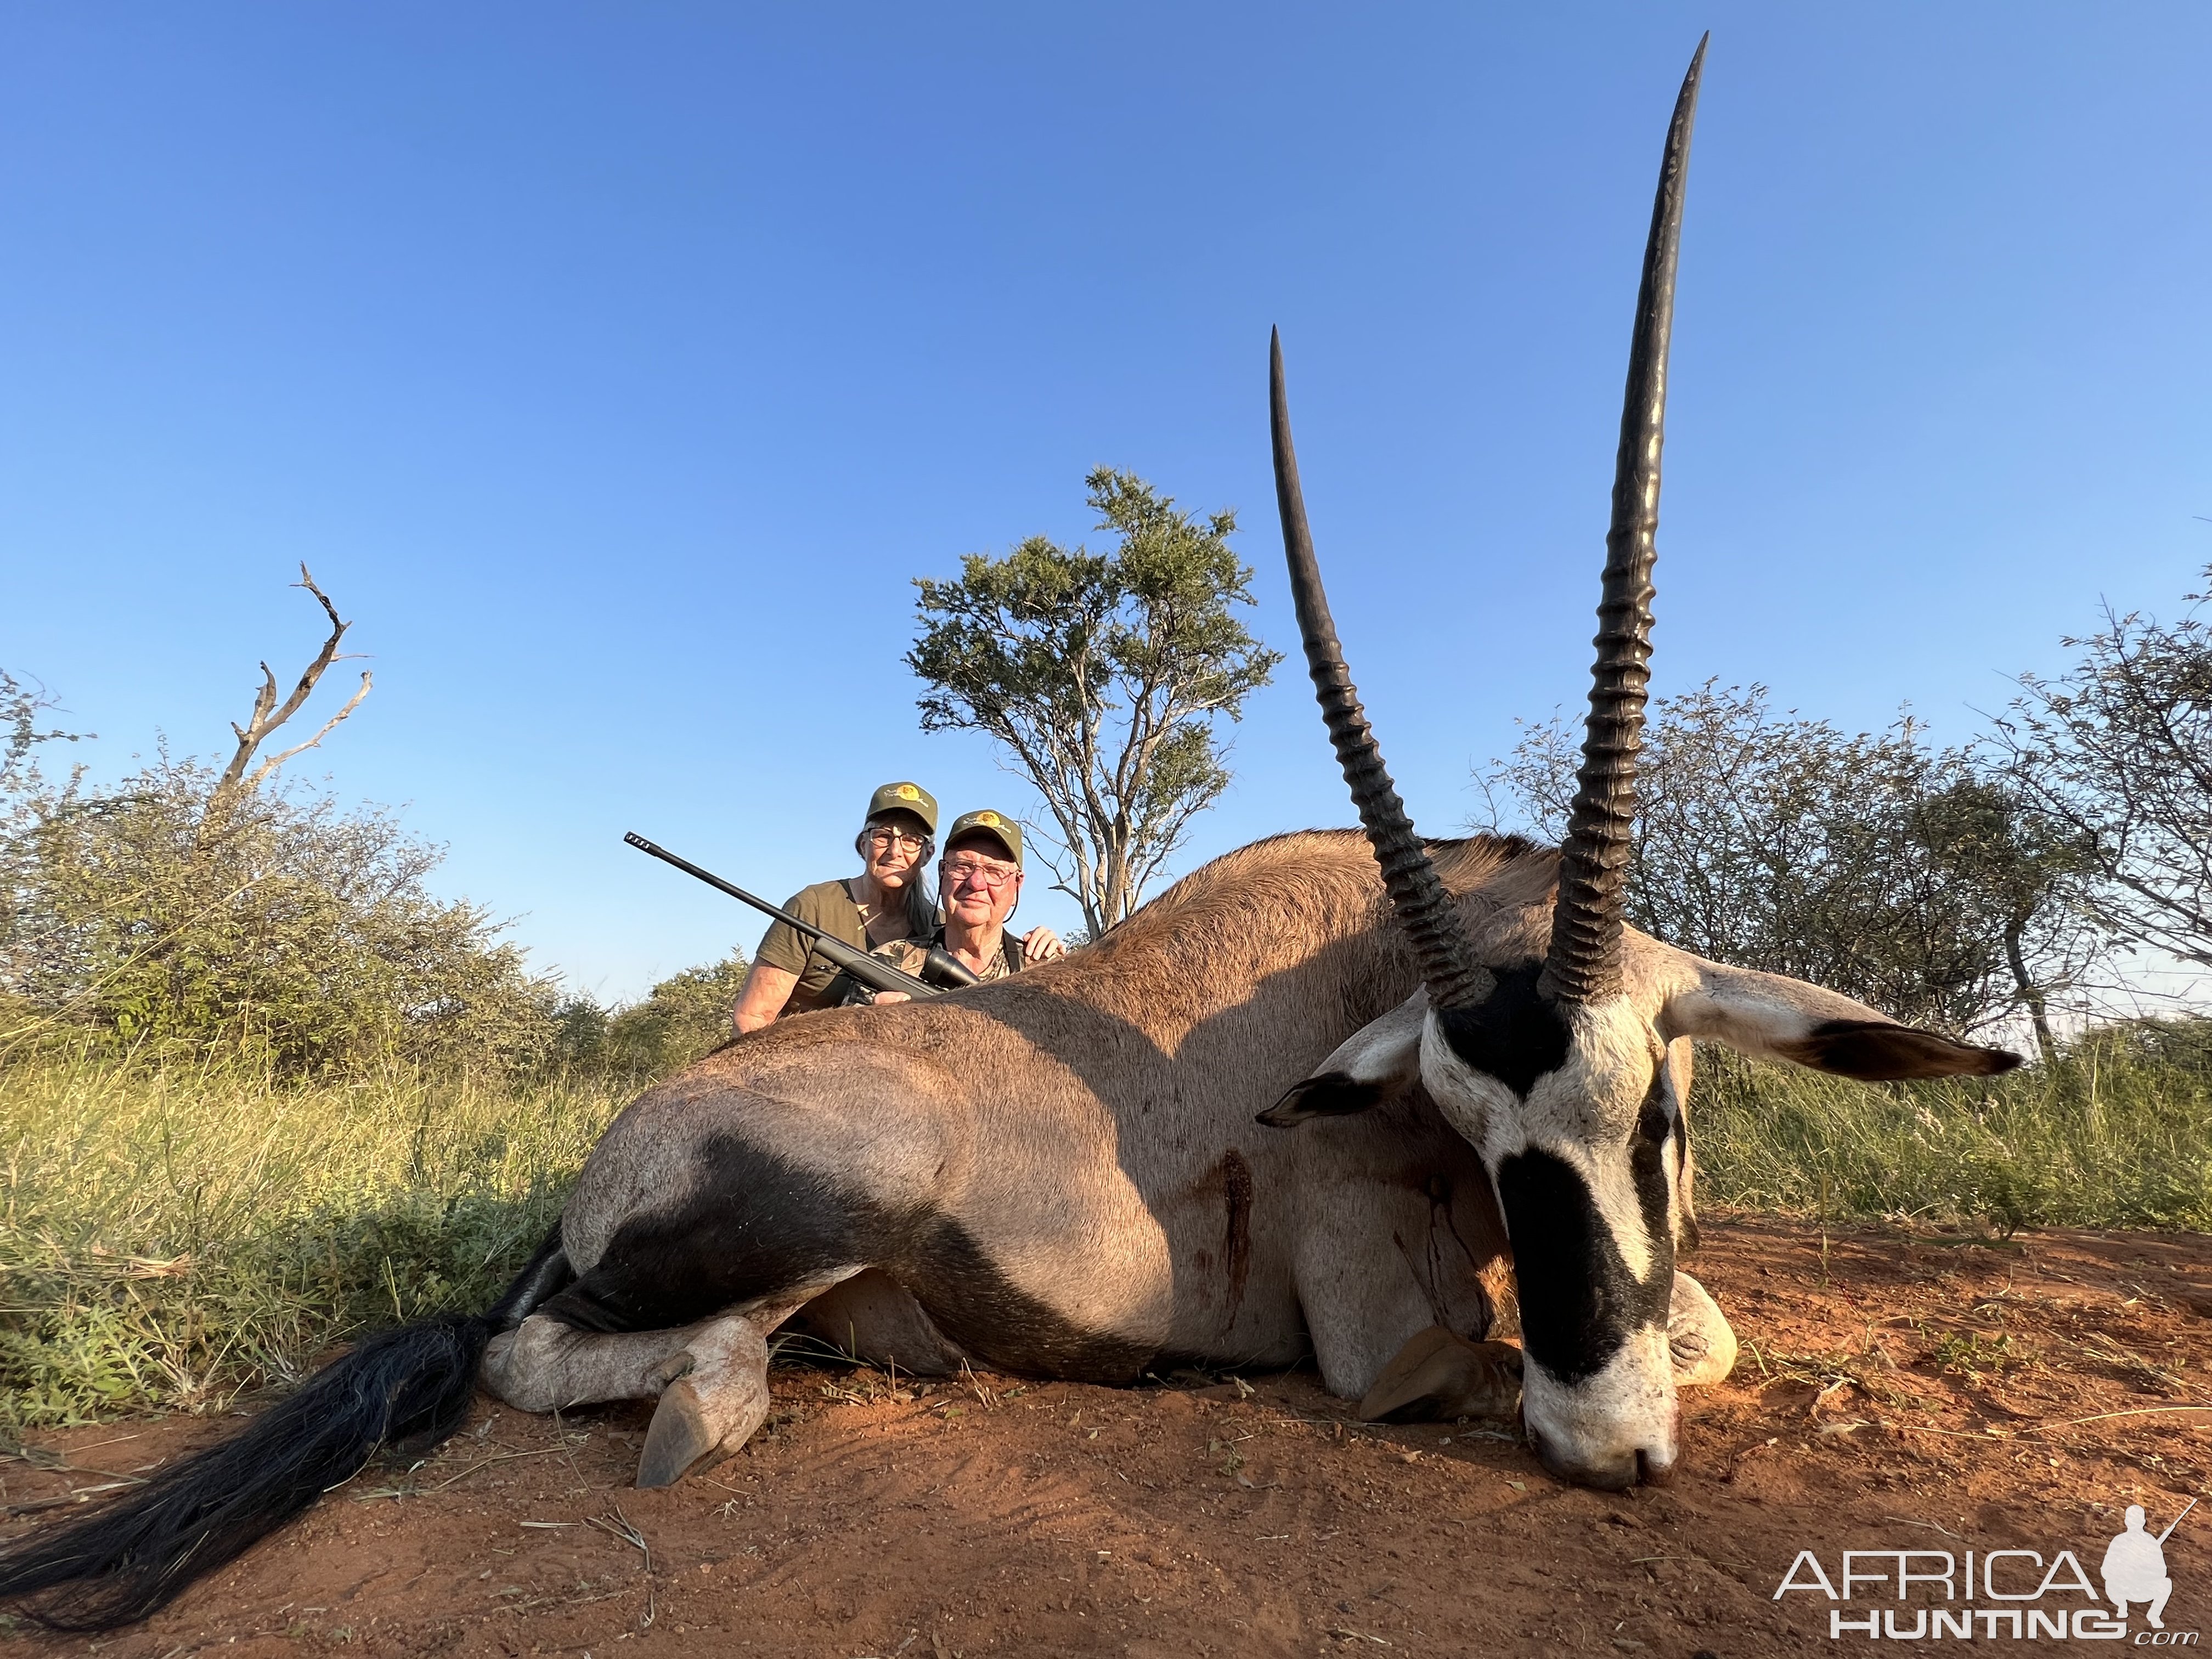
(753, 1225)
(750, 1225)
(969, 1298)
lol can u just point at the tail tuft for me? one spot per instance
(408, 1387)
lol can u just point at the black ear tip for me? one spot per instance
(1332, 1094)
(1877, 1051)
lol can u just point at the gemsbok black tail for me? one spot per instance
(405, 1390)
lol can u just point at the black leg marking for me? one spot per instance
(547, 1273)
(754, 1225)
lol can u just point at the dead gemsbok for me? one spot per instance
(1060, 1173)
(1549, 1048)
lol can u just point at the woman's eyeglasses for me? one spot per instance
(905, 841)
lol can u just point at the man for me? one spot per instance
(979, 885)
(886, 902)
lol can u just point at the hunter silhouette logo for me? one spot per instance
(2135, 1566)
(2024, 1595)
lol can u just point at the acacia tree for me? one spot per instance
(1891, 871)
(2117, 754)
(1104, 675)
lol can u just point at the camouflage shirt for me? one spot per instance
(908, 956)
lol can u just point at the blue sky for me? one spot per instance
(617, 368)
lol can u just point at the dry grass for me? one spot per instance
(169, 1238)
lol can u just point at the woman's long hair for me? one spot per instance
(922, 908)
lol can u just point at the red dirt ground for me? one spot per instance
(1894, 1392)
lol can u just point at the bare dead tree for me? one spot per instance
(269, 715)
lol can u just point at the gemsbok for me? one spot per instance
(1083, 1172)
(1548, 1048)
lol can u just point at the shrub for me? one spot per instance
(175, 1234)
(273, 926)
(684, 1018)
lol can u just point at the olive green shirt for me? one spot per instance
(828, 905)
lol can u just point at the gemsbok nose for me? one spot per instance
(1651, 1465)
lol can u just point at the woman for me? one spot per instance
(886, 903)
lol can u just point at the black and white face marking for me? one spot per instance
(1573, 1111)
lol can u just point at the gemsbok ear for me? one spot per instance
(1780, 1019)
(1382, 1058)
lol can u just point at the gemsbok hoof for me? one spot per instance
(1440, 1375)
(717, 1395)
(1699, 1338)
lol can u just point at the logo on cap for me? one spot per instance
(907, 791)
(991, 819)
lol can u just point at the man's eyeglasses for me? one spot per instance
(905, 840)
(958, 873)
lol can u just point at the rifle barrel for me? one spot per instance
(2168, 1533)
(870, 970)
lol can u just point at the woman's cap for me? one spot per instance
(905, 798)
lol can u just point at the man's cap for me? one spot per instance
(997, 825)
(905, 798)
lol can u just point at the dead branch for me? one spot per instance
(267, 715)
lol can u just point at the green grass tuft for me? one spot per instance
(170, 1237)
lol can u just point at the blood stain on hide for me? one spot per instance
(1236, 1227)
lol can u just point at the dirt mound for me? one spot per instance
(1894, 1392)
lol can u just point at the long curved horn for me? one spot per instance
(1417, 894)
(1584, 963)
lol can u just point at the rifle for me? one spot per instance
(2168, 1533)
(942, 972)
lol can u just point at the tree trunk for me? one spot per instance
(2031, 994)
